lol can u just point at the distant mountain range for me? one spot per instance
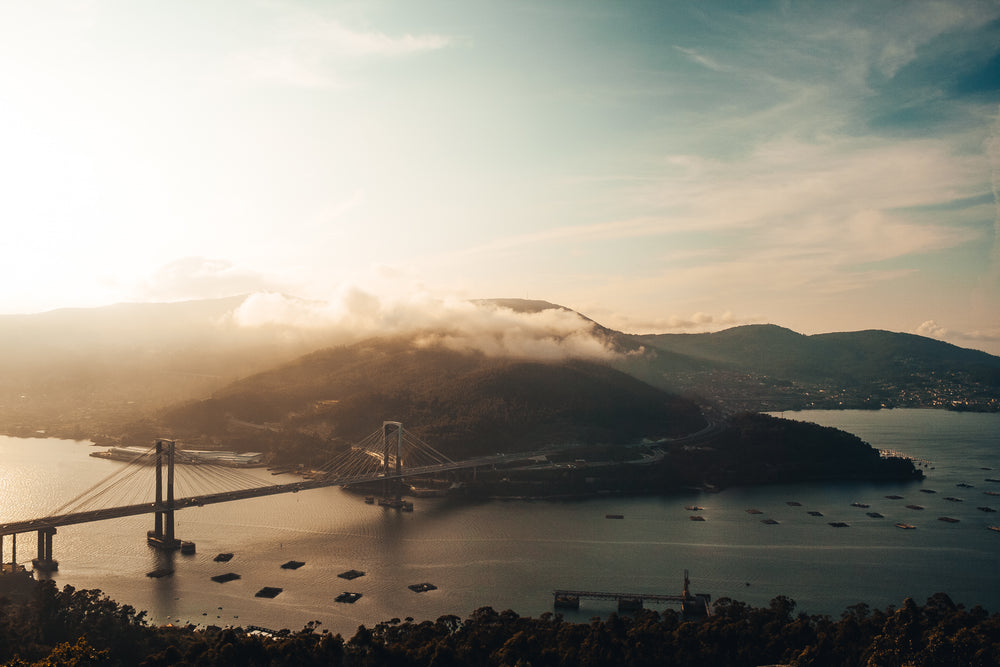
(767, 367)
(130, 370)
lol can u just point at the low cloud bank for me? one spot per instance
(932, 329)
(354, 314)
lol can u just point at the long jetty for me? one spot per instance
(697, 604)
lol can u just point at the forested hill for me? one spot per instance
(775, 350)
(462, 402)
(771, 367)
(73, 627)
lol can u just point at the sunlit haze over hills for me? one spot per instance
(658, 167)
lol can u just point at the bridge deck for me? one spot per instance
(29, 525)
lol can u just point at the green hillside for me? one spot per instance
(462, 403)
(767, 367)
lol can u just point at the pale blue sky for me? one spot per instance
(659, 166)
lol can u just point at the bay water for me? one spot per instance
(513, 554)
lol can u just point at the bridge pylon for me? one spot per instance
(392, 466)
(162, 536)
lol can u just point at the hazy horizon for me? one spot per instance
(656, 167)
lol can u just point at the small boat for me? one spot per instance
(292, 565)
(693, 508)
(770, 522)
(927, 491)
(793, 503)
(875, 515)
(223, 558)
(162, 572)
(996, 528)
(696, 517)
(861, 505)
(992, 493)
(894, 497)
(614, 516)
(814, 513)
(223, 578)
(963, 485)
(839, 524)
(422, 588)
(984, 508)
(991, 479)
(905, 526)
(915, 507)
(953, 499)
(948, 519)
(754, 510)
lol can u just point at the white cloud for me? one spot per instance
(333, 38)
(993, 152)
(701, 59)
(975, 338)
(931, 329)
(201, 278)
(353, 314)
(806, 211)
(698, 322)
(309, 52)
(906, 31)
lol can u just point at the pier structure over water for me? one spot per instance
(695, 605)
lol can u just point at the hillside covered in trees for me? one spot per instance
(47, 626)
(463, 403)
(769, 367)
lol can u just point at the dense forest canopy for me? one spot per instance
(48, 626)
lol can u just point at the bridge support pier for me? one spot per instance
(45, 562)
(12, 566)
(162, 536)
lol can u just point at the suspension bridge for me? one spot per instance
(386, 456)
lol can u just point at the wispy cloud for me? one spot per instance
(334, 39)
(200, 277)
(993, 152)
(693, 323)
(932, 329)
(790, 202)
(309, 51)
(702, 60)
(908, 31)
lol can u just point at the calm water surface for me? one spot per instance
(512, 554)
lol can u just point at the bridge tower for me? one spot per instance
(162, 536)
(392, 461)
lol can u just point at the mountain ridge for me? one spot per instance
(338, 394)
(84, 373)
